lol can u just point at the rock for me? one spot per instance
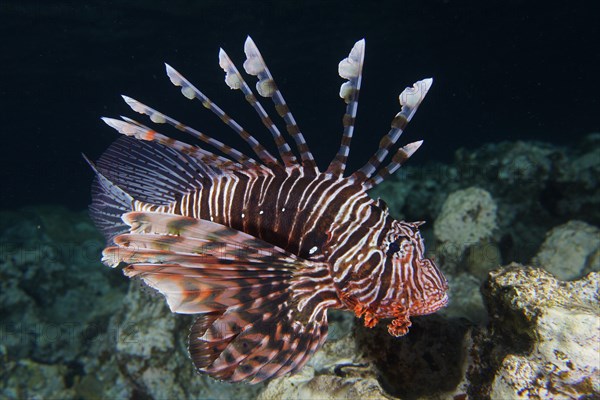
(465, 299)
(549, 334)
(340, 324)
(570, 250)
(151, 354)
(575, 192)
(518, 175)
(337, 371)
(55, 295)
(27, 379)
(467, 219)
(428, 362)
(324, 387)
(480, 258)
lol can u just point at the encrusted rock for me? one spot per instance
(426, 363)
(481, 257)
(570, 250)
(26, 379)
(576, 191)
(337, 371)
(548, 331)
(151, 352)
(467, 219)
(55, 299)
(324, 387)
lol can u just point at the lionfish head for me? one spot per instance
(425, 287)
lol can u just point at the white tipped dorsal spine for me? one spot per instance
(231, 74)
(411, 97)
(255, 65)
(122, 127)
(350, 68)
(411, 148)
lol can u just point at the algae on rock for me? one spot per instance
(553, 330)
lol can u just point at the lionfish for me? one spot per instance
(260, 248)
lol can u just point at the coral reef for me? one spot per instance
(536, 187)
(466, 224)
(339, 370)
(55, 299)
(150, 354)
(550, 332)
(24, 379)
(72, 328)
(542, 341)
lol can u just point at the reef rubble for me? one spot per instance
(513, 225)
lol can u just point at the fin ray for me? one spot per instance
(109, 202)
(250, 310)
(235, 81)
(410, 99)
(160, 118)
(191, 92)
(130, 127)
(398, 159)
(350, 68)
(266, 87)
(150, 172)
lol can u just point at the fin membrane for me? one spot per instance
(150, 172)
(257, 319)
(109, 202)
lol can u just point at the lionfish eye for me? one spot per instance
(393, 248)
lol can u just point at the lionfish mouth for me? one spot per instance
(434, 305)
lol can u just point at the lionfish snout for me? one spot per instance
(424, 292)
(433, 293)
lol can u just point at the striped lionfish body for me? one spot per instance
(259, 248)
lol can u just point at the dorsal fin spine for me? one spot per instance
(191, 92)
(398, 159)
(235, 81)
(410, 99)
(266, 87)
(160, 118)
(349, 68)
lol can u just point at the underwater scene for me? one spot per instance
(196, 204)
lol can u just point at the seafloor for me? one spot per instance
(514, 226)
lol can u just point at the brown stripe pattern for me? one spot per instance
(260, 248)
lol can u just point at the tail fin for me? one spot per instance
(109, 203)
(133, 170)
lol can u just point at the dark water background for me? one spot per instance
(503, 71)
